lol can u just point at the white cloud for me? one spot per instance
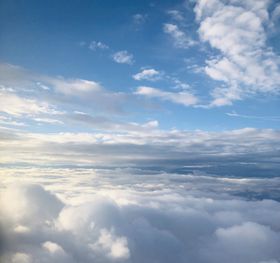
(181, 40)
(238, 30)
(148, 74)
(123, 57)
(124, 218)
(185, 98)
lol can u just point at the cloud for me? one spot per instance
(148, 74)
(181, 40)
(185, 98)
(246, 65)
(123, 57)
(153, 223)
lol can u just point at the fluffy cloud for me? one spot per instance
(157, 221)
(238, 30)
(183, 97)
(123, 57)
(181, 40)
(147, 74)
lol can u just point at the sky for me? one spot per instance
(139, 131)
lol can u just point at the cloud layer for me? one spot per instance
(124, 218)
(243, 152)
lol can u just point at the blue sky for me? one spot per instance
(54, 39)
(140, 69)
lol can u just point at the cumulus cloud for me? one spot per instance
(181, 40)
(148, 74)
(183, 97)
(246, 65)
(123, 57)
